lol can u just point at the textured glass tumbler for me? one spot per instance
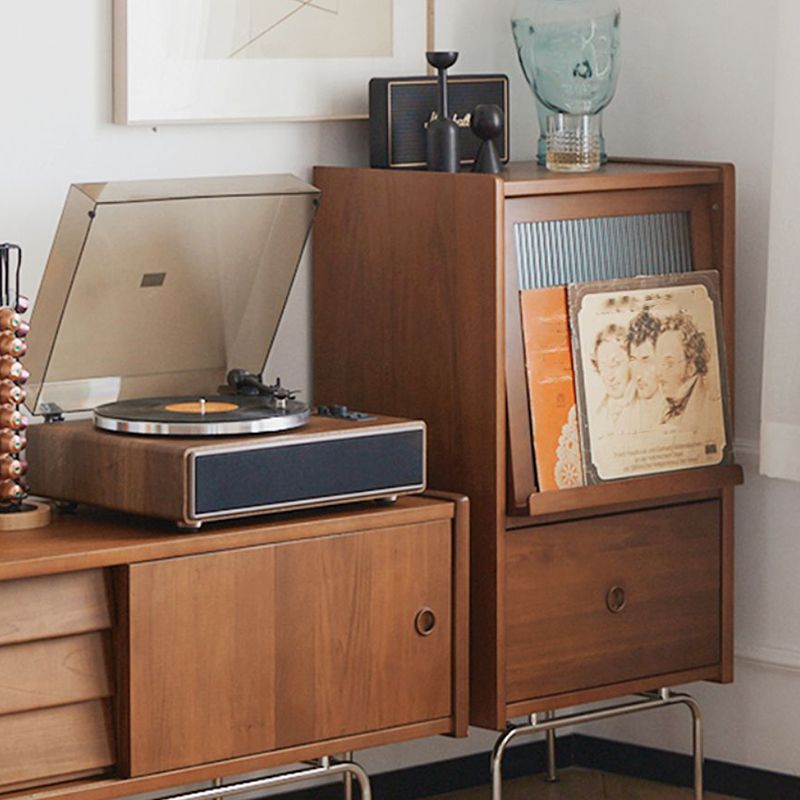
(569, 53)
(574, 142)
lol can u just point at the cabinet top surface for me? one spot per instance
(526, 178)
(93, 538)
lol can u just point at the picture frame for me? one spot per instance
(650, 375)
(207, 61)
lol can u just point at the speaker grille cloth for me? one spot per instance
(600, 248)
(315, 470)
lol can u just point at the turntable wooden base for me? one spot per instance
(195, 480)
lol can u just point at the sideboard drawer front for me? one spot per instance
(50, 606)
(55, 672)
(56, 678)
(53, 744)
(611, 599)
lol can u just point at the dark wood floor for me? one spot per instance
(581, 784)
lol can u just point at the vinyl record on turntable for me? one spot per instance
(175, 283)
(200, 416)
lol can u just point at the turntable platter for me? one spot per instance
(200, 416)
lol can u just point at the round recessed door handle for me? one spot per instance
(425, 621)
(615, 599)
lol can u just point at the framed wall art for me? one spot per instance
(178, 61)
(650, 375)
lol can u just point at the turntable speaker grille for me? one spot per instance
(335, 469)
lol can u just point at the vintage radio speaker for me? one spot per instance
(400, 109)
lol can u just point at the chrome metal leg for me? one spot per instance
(216, 783)
(669, 697)
(348, 778)
(498, 752)
(552, 769)
(325, 767)
(697, 744)
(551, 723)
(363, 781)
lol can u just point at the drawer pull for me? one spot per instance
(615, 599)
(425, 621)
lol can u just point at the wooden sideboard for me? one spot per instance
(138, 659)
(416, 313)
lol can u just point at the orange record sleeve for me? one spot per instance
(551, 388)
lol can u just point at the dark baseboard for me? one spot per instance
(676, 769)
(467, 772)
(576, 750)
(457, 774)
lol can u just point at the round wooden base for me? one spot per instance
(32, 515)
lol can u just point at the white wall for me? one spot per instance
(55, 65)
(697, 82)
(56, 86)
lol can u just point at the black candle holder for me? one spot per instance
(443, 152)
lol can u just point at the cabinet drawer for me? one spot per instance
(53, 744)
(54, 672)
(610, 599)
(53, 605)
(251, 650)
(56, 678)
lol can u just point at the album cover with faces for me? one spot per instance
(650, 374)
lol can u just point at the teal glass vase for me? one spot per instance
(569, 53)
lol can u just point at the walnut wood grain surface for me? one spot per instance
(107, 788)
(54, 672)
(93, 538)
(667, 485)
(562, 635)
(460, 604)
(55, 741)
(350, 658)
(202, 653)
(242, 652)
(724, 225)
(408, 314)
(611, 691)
(529, 178)
(402, 265)
(81, 600)
(727, 567)
(138, 473)
(52, 605)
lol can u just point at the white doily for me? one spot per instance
(569, 472)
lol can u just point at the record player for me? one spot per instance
(156, 313)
